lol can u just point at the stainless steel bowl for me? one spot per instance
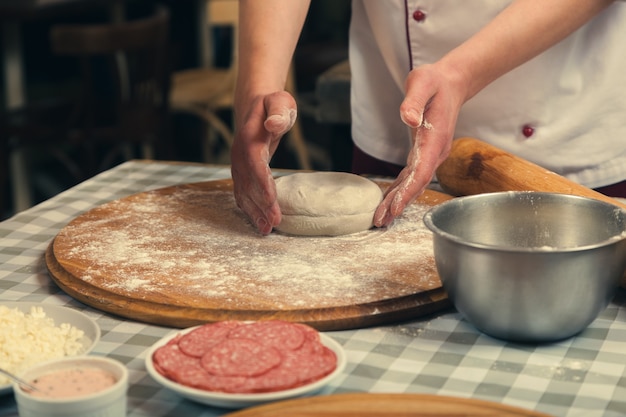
(529, 266)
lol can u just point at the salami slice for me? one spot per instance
(279, 334)
(197, 377)
(198, 341)
(311, 362)
(168, 358)
(240, 357)
(317, 366)
(174, 364)
(276, 379)
(312, 344)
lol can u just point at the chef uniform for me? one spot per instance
(564, 110)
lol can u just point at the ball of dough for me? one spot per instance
(326, 203)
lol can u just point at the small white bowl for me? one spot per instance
(228, 400)
(108, 402)
(60, 315)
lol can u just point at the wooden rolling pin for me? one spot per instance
(475, 167)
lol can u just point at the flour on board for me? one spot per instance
(195, 247)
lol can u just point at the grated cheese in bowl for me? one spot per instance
(30, 338)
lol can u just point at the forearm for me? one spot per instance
(520, 32)
(269, 32)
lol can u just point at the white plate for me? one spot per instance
(60, 315)
(226, 400)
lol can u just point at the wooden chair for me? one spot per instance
(122, 102)
(208, 91)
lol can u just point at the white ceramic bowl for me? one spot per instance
(60, 315)
(109, 402)
(227, 400)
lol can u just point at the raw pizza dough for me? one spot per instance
(326, 203)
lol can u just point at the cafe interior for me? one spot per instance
(48, 147)
(118, 221)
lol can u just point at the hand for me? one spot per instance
(257, 136)
(430, 108)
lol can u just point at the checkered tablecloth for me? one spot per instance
(584, 376)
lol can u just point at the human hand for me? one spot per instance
(257, 135)
(430, 108)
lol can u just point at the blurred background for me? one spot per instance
(319, 71)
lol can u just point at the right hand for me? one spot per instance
(260, 126)
(430, 108)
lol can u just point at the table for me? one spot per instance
(584, 376)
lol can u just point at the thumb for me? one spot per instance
(281, 112)
(418, 94)
(411, 117)
(280, 123)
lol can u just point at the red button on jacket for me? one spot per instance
(419, 15)
(528, 130)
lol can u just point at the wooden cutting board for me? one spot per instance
(381, 405)
(184, 255)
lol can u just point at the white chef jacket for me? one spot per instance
(564, 110)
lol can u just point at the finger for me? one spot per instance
(263, 218)
(382, 216)
(400, 196)
(254, 188)
(412, 180)
(265, 199)
(255, 195)
(281, 111)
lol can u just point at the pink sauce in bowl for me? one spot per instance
(74, 387)
(72, 382)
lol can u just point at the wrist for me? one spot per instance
(459, 74)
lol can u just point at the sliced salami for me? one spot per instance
(198, 341)
(280, 334)
(240, 357)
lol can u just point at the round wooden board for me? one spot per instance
(185, 255)
(381, 405)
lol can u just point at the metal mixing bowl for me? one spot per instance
(529, 266)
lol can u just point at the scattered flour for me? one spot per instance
(193, 247)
